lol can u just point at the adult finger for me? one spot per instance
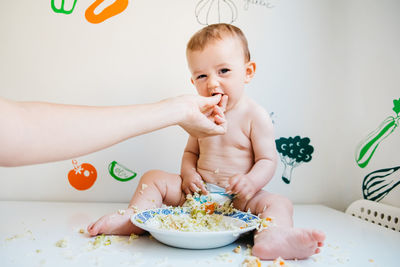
(223, 102)
(219, 120)
(206, 102)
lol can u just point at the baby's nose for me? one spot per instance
(212, 84)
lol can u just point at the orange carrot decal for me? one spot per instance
(114, 9)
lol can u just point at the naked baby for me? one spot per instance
(241, 162)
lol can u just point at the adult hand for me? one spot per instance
(204, 115)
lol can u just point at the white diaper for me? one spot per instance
(218, 194)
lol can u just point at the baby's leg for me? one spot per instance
(281, 240)
(155, 188)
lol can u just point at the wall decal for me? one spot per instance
(83, 176)
(62, 7)
(366, 148)
(215, 11)
(378, 184)
(120, 172)
(113, 9)
(263, 3)
(293, 151)
(224, 11)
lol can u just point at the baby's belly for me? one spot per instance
(218, 170)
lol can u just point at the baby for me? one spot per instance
(242, 161)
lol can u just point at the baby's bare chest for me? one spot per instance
(236, 140)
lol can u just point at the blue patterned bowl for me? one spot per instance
(195, 240)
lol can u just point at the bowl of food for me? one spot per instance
(195, 228)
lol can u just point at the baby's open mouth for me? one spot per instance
(217, 94)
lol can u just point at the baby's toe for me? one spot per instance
(318, 236)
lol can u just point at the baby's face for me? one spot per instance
(220, 68)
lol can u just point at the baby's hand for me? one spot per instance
(193, 183)
(241, 186)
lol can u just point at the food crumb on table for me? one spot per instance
(224, 257)
(238, 249)
(132, 237)
(62, 243)
(251, 261)
(248, 250)
(279, 262)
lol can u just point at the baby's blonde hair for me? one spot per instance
(215, 32)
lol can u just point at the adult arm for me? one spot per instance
(37, 132)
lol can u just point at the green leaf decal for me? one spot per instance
(396, 106)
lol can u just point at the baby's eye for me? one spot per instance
(201, 76)
(224, 70)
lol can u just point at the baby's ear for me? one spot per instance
(250, 70)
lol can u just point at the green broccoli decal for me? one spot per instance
(293, 151)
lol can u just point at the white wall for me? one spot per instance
(328, 69)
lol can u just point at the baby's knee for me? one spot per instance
(282, 201)
(151, 176)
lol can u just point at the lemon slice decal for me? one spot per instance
(120, 172)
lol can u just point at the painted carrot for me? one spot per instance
(366, 148)
(114, 9)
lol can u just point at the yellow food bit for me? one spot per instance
(62, 243)
(132, 237)
(100, 240)
(81, 231)
(121, 212)
(278, 263)
(251, 261)
(238, 249)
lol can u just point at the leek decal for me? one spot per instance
(366, 148)
(62, 8)
(378, 184)
(293, 151)
(120, 172)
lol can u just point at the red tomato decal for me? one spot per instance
(82, 177)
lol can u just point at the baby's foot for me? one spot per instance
(288, 243)
(118, 223)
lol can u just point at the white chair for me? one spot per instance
(378, 213)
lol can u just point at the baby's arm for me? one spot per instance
(265, 157)
(191, 179)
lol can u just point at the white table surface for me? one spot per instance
(29, 231)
